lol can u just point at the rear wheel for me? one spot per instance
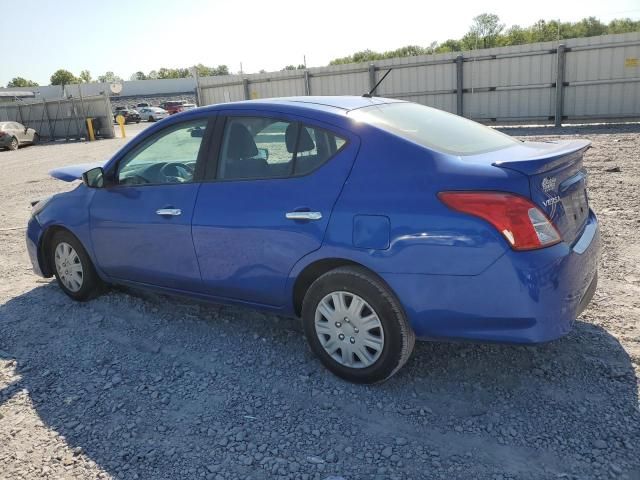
(356, 326)
(73, 268)
(36, 139)
(14, 144)
(151, 119)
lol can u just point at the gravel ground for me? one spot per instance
(133, 385)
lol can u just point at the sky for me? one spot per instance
(125, 37)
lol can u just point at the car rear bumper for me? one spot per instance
(33, 237)
(524, 297)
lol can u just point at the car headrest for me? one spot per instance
(241, 143)
(305, 142)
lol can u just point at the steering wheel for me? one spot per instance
(134, 180)
(174, 171)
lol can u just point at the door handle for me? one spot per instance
(303, 215)
(170, 212)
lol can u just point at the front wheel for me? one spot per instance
(151, 119)
(356, 326)
(14, 144)
(73, 268)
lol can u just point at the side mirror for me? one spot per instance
(197, 132)
(94, 178)
(263, 153)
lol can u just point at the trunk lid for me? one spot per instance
(557, 180)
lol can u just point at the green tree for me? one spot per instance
(408, 51)
(484, 31)
(449, 46)
(623, 25)
(139, 75)
(173, 73)
(109, 77)
(205, 71)
(590, 27)
(515, 35)
(21, 82)
(63, 77)
(85, 76)
(487, 31)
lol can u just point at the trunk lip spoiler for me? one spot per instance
(542, 161)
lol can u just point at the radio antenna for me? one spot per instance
(370, 93)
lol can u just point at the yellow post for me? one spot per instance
(120, 120)
(92, 136)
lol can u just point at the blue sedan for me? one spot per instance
(376, 221)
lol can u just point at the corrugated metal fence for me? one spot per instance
(584, 79)
(62, 118)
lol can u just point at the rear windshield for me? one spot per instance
(432, 128)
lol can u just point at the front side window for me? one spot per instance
(433, 128)
(263, 147)
(168, 157)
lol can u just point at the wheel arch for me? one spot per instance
(316, 269)
(44, 250)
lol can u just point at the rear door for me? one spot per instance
(271, 190)
(141, 223)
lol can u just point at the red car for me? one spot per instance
(173, 106)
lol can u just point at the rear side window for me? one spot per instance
(433, 128)
(264, 147)
(315, 147)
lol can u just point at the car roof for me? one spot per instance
(345, 103)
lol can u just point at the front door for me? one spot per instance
(141, 223)
(268, 203)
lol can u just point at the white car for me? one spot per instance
(152, 114)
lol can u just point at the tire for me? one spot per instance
(36, 139)
(14, 145)
(137, 121)
(390, 339)
(151, 119)
(65, 253)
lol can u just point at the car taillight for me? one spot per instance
(521, 223)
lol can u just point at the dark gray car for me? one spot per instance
(14, 134)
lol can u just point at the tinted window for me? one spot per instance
(315, 147)
(434, 128)
(168, 157)
(262, 147)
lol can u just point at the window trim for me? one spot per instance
(211, 174)
(201, 159)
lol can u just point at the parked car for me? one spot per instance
(152, 114)
(173, 106)
(376, 221)
(14, 134)
(130, 115)
(188, 106)
(142, 105)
